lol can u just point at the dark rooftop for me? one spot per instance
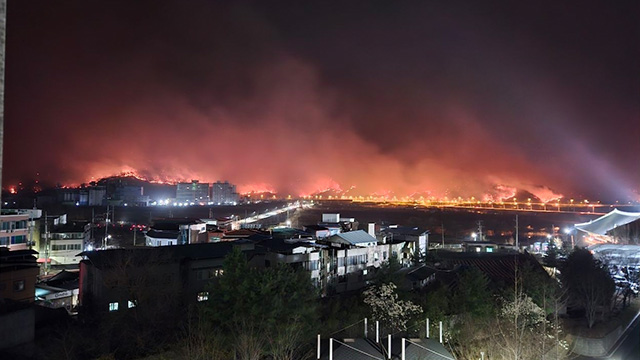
(499, 267)
(75, 226)
(163, 234)
(163, 253)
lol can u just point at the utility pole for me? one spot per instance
(93, 221)
(106, 228)
(517, 245)
(479, 223)
(30, 230)
(442, 225)
(46, 244)
(3, 22)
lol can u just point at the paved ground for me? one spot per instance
(627, 348)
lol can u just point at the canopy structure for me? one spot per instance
(620, 255)
(601, 229)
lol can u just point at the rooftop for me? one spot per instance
(367, 349)
(406, 230)
(607, 222)
(142, 255)
(499, 267)
(357, 237)
(75, 226)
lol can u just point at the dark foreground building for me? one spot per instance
(117, 280)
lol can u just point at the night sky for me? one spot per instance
(440, 98)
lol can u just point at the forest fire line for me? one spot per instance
(330, 190)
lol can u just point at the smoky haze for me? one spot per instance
(413, 97)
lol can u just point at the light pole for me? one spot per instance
(569, 233)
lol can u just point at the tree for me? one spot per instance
(472, 304)
(522, 330)
(436, 303)
(201, 340)
(394, 314)
(551, 256)
(588, 283)
(259, 309)
(518, 329)
(539, 286)
(342, 310)
(472, 296)
(388, 272)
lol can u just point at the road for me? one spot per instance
(251, 219)
(627, 348)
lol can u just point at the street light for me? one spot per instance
(569, 232)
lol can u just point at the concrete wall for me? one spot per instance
(17, 327)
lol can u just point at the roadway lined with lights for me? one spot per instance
(236, 224)
(582, 207)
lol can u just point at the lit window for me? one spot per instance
(203, 296)
(489, 249)
(131, 303)
(113, 306)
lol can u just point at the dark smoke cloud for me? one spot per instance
(440, 99)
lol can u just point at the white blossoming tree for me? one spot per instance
(393, 314)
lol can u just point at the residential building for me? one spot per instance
(320, 232)
(224, 193)
(122, 279)
(358, 238)
(68, 196)
(66, 241)
(165, 232)
(337, 224)
(419, 237)
(214, 233)
(59, 291)
(349, 259)
(97, 195)
(18, 273)
(129, 195)
(296, 253)
(248, 234)
(416, 277)
(345, 261)
(192, 192)
(14, 230)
